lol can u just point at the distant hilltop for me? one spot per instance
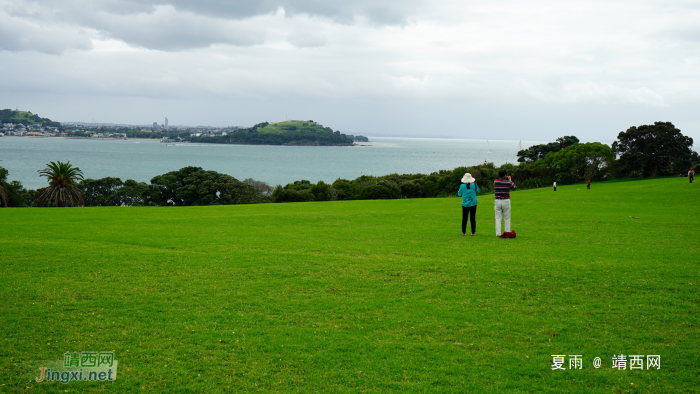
(25, 118)
(291, 132)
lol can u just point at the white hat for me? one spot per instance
(467, 178)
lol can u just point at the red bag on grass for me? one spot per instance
(508, 234)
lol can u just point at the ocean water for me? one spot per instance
(23, 157)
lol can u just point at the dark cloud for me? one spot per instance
(168, 30)
(50, 27)
(22, 35)
(380, 12)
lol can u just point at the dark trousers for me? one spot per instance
(589, 186)
(465, 216)
(691, 179)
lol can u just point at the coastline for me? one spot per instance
(81, 138)
(169, 142)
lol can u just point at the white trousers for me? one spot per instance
(502, 208)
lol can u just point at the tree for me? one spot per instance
(658, 149)
(410, 189)
(113, 192)
(345, 190)
(383, 190)
(134, 193)
(101, 192)
(537, 152)
(579, 161)
(291, 195)
(4, 195)
(62, 189)
(194, 186)
(4, 198)
(324, 192)
(262, 188)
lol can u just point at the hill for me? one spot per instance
(293, 126)
(25, 117)
(361, 296)
(294, 132)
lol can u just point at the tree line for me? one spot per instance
(649, 150)
(185, 187)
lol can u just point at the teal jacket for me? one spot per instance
(468, 195)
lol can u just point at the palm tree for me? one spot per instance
(61, 191)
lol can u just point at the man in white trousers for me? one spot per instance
(502, 187)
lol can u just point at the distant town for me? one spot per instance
(162, 131)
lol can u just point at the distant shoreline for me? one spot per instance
(169, 142)
(83, 138)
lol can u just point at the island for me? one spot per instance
(291, 132)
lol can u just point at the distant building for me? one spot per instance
(166, 123)
(155, 125)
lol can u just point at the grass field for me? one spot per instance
(24, 115)
(284, 126)
(360, 296)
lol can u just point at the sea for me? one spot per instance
(141, 160)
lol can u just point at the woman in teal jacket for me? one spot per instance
(468, 191)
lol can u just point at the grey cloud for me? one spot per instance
(22, 35)
(307, 39)
(176, 25)
(690, 33)
(381, 12)
(169, 30)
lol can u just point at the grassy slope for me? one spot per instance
(23, 115)
(360, 296)
(301, 125)
(19, 116)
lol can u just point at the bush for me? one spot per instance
(17, 195)
(410, 189)
(345, 190)
(323, 192)
(378, 192)
(290, 195)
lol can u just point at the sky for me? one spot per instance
(525, 69)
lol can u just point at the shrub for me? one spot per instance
(378, 192)
(345, 190)
(287, 195)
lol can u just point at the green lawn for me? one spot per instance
(24, 115)
(360, 296)
(284, 126)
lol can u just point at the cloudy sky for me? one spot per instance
(525, 69)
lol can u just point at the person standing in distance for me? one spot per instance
(468, 191)
(691, 175)
(502, 186)
(589, 183)
(555, 186)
